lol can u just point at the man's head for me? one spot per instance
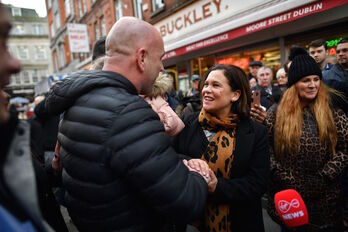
(195, 82)
(254, 67)
(99, 48)
(318, 50)
(134, 48)
(264, 77)
(8, 64)
(342, 53)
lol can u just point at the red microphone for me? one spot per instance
(291, 208)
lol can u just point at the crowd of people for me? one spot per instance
(122, 151)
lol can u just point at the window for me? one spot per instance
(49, 4)
(53, 32)
(37, 29)
(43, 73)
(18, 29)
(67, 8)
(26, 79)
(16, 11)
(103, 29)
(138, 9)
(84, 8)
(34, 76)
(23, 52)
(118, 9)
(17, 78)
(96, 30)
(56, 20)
(61, 56)
(40, 52)
(79, 8)
(157, 4)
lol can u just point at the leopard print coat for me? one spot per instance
(313, 172)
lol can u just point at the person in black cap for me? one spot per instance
(253, 68)
(308, 146)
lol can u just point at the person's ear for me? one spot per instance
(235, 95)
(140, 59)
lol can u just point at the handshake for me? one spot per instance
(201, 167)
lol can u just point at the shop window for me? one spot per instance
(269, 56)
(84, 7)
(157, 5)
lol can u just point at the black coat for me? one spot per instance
(249, 175)
(119, 169)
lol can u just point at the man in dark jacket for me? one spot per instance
(269, 93)
(119, 170)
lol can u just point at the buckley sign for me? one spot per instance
(203, 13)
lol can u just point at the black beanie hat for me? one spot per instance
(302, 65)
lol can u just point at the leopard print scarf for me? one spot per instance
(219, 156)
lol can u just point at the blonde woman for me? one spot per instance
(308, 146)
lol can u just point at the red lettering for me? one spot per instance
(195, 17)
(178, 27)
(206, 10)
(187, 18)
(217, 4)
(163, 30)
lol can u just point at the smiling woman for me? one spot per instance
(235, 149)
(308, 145)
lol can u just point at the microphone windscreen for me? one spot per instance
(291, 208)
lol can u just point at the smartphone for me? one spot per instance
(256, 97)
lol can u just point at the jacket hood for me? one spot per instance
(64, 93)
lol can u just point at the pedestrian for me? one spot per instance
(308, 144)
(118, 167)
(19, 209)
(269, 93)
(171, 121)
(235, 148)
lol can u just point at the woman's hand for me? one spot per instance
(213, 182)
(258, 113)
(200, 166)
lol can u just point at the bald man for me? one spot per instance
(119, 170)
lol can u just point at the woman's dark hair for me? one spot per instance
(238, 81)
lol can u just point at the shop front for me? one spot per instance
(262, 31)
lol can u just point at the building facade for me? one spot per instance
(29, 43)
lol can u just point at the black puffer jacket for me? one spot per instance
(119, 169)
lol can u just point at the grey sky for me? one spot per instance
(38, 5)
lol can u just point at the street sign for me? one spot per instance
(78, 38)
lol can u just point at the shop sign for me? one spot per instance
(203, 13)
(78, 38)
(288, 16)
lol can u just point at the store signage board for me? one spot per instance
(285, 17)
(78, 38)
(203, 13)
